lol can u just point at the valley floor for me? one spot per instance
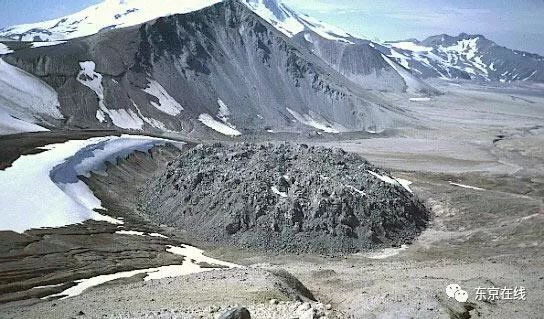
(480, 170)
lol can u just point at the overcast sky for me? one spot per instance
(518, 24)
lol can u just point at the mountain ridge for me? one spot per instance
(441, 59)
(222, 68)
(115, 14)
(466, 56)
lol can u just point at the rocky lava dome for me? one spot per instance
(283, 198)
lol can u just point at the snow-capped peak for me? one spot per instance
(466, 57)
(110, 14)
(113, 14)
(291, 23)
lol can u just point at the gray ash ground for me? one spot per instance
(283, 198)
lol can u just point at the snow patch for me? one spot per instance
(167, 104)
(413, 85)
(358, 191)
(386, 253)
(4, 49)
(224, 114)
(157, 235)
(198, 255)
(43, 190)
(84, 284)
(405, 183)
(130, 233)
(309, 120)
(401, 59)
(384, 178)
(193, 258)
(308, 37)
(530, 76)
(139, 233)
(420, 99)
(393, 180)
(152, 122)
(93, 80)
(215, 125)
(276, 191)
(12, 125)
(46, 44)
(24, 100)
(125, 119)
(467, 186)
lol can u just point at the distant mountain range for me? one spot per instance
(466, 57)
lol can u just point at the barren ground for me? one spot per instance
(489, 235)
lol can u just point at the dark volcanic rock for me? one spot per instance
(283, 198)
(239, 313)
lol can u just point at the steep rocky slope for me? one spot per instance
(363, 62)
(222, 69)
(118, 14)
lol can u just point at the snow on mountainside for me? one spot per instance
(220, 70)
(4, 49)
(462, 57)
(363, 62)
(471, 57)
(110, 14)
(25, 99)
(353, 57)
(114, 14)
(291, 23)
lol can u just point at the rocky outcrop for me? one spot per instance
(238, 313)
(283, 198)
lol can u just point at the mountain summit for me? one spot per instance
(223, 69)
(115, 14)
(109, 14)
(471, 57)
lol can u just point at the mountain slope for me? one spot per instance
(220, 69)
(292, 23)
(362, 62)
(351, 56)
(25, 100)
(466, 57)
(110, 14)
(115, 14)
